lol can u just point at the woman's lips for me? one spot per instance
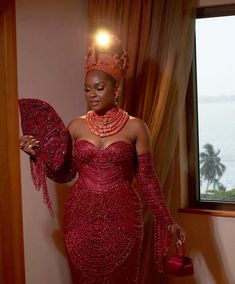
(94, 103)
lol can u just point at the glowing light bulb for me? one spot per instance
(103, 38)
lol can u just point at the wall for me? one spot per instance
(210, 239)
(51, 37)
(211, 245)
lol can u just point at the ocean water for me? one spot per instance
(217, 127)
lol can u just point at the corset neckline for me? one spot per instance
(106, 147)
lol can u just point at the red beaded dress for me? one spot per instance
(103, 216)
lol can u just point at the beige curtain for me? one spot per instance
(159, 36)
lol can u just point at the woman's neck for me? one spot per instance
(108, 123)
(105, 111)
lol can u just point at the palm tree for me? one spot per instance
(218, 184)
(211, 168)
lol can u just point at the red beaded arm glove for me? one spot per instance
(54, 151)
(152, 191)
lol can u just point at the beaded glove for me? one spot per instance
(153, 194)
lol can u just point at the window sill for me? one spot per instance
(219, 213)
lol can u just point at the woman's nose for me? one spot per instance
(92, 94)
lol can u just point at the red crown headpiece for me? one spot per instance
(112, 60)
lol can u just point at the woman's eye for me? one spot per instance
(87, 90)
(100, 88)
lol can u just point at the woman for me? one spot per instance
(103, 221)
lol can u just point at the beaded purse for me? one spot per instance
(179, 264)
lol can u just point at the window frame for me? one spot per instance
(192, 122)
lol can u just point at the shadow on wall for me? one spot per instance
(61, 192)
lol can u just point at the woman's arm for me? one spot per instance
(164, 225)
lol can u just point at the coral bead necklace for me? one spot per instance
(108, 124)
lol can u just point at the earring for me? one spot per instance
(117, 90)
(116, 101)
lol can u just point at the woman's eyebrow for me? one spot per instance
(96, 84)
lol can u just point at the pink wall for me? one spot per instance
(211, 245)
(51, 44)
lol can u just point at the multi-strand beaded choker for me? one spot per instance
(108, 124)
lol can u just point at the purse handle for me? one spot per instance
(180, 249)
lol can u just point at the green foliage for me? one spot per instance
(220, 195)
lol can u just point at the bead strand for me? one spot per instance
(109, 124)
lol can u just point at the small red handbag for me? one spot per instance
(179, 264)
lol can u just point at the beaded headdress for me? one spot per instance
(111, 59)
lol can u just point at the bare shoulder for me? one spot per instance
(141, 132)
(138, 125)
(77, 121)
(76, 125)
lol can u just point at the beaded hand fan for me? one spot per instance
(41, 121)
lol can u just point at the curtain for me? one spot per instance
(159, 38)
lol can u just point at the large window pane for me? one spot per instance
(215, 60)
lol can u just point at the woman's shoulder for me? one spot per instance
(76, 125)
(141, 133)
(77, 121)
(137, 124)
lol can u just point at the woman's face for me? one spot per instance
(100, 91)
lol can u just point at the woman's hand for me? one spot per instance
(28, 144)
(179, 234)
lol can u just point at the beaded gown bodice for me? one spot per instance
(104, 210)
(100, 168)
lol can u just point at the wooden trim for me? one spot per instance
(192, 137)
(11, 232)
(216, 11)
(217, 213)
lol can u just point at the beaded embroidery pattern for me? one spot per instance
(41, 121)
(103, 226)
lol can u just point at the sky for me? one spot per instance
(215, 41)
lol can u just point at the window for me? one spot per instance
(211, 110)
